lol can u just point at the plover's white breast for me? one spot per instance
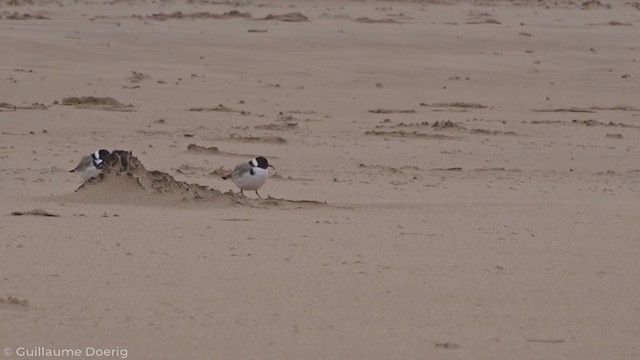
(252, 179)
(89, 172)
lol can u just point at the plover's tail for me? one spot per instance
(225, 177)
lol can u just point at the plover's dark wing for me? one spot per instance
(241, 170)
(230, 174)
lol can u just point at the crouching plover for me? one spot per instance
(91, 166)
(250, 175)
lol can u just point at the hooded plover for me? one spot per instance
(250, 175)
(91, 166)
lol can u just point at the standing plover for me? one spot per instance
(91, 166)
(250, 175)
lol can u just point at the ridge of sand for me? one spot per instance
(126, 181)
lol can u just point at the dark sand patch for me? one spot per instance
(195, 148)
(10, 107)
(278, 127)
(220, 108)
(367, 20)
(411, 134)
(187, 169)
(194, 16)
(13, 302)
(614, 136)
(96, 103)
(35, 212)
(615, 108)
(571, 109)
(592, 122)
(289, 17)
(440, 125)
(392, 111)
(258, 139)
(457, 104)
(24, 16)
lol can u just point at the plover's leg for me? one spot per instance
(258, 195)
(241, 192)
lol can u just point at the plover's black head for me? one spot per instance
(101, 155)
(260, 162)
(100, 158)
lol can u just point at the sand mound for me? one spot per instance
(125, 180)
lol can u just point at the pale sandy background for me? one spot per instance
(511, 232)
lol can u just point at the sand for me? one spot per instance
(455, 179)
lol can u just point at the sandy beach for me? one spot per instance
(454, 179)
